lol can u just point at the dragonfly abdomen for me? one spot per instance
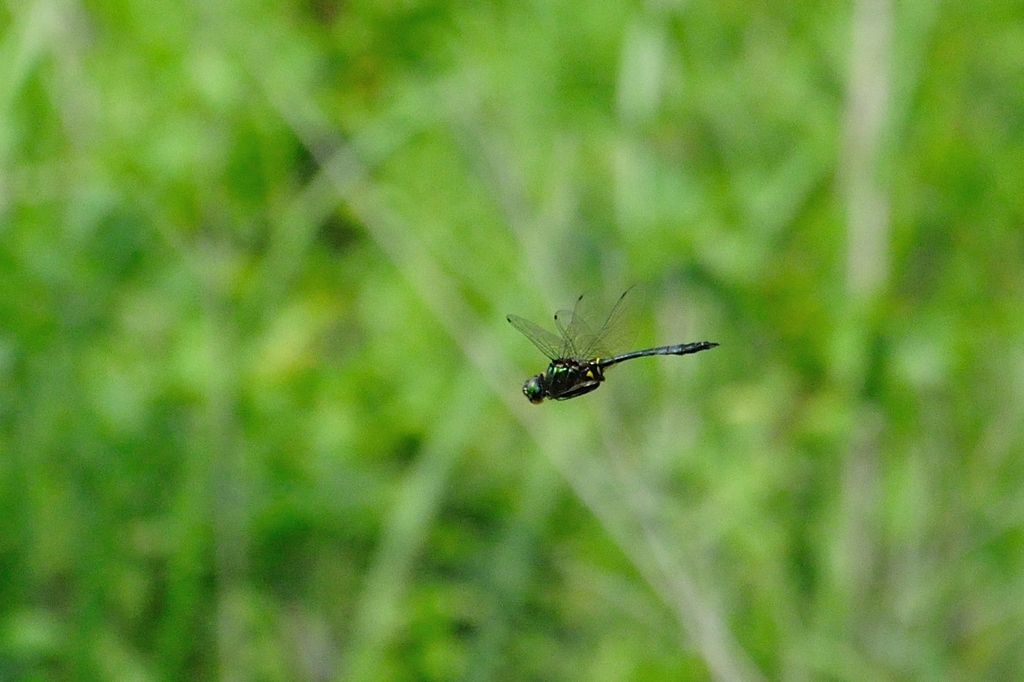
(677, 349)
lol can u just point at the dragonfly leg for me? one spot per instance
(579, 389)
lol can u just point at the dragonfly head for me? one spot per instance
(535, 389)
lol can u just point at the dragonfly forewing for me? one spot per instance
(587, 340)
(618, 330)
(574, 328)
(546, 342)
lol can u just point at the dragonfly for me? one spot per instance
(581, 352)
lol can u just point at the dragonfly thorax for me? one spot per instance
(563, 379)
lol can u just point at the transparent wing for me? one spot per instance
(585, 340)
(618, 330)
(573, 328)
(546, 342)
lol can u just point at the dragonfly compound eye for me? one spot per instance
(533, 389)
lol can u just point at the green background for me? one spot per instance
(260, 409)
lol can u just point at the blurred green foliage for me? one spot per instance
(260, 411)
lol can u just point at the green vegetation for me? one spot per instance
(260, 409)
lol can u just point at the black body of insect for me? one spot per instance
(581, 352)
